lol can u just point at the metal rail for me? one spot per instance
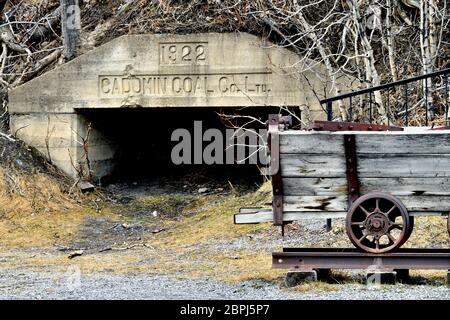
(385, 86)
(328, 102)
(349, 258)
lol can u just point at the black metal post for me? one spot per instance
(388, 106)
(426, 101)
(446, 98)
(350, 110)
(330, 111)
(329, 226)
(406, 105)
(329, 118)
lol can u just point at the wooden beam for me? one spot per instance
(404, 165)
(314, 186)
(369, 165)
(315, 203)
(393, 143)
(312, 165)
(266, 216)
(294, 186)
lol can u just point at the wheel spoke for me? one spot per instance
(377, 243)
(398, 226)
(359, 223)
(377, 205)
(391, 237)
(363, 237)
(390, 210)
(364, 210)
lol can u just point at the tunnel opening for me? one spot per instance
(143, 140)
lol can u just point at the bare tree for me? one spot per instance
(370, 41)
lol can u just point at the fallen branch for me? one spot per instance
(41, 64)
(7, 137)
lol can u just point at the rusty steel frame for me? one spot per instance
(352, 168)
(273, 140)
(349, 258)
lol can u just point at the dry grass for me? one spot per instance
(429, 230)
(123, 262)
(315, 287)
(211, 217)
(187, 248)
(22, 194)
(241, 265)
(34, 211)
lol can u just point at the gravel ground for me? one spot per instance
(22, 278)
(23, 284)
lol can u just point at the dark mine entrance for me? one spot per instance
(143, 144)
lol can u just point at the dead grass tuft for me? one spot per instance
(429, 231)
(33, 209)
(315, 287)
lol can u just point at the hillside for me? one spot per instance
(377, 42)
(171, 234)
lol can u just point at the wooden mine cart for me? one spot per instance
(377, 177)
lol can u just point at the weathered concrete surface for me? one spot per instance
(379, 277)
(172, 70)
(59, 137)
(296, 277)
(199, 70)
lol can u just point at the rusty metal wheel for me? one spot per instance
(378, 222)
(409, 231)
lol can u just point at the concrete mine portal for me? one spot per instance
(123, 99)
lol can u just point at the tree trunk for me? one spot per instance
(326, 59)
(372, 73)
(428, 50)
(390, 41)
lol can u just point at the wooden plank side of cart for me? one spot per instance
(413, 165)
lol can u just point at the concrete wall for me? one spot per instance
(59, 137)
(199, 70)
